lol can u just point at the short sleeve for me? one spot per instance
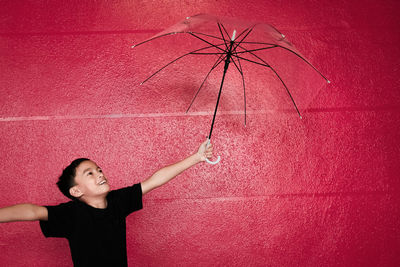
(128, 199)
(59, 221)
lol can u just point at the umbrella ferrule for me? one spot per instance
(233, 35)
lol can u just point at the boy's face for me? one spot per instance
(90, 181)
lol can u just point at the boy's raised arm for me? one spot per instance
(167, 173)
(23, 212)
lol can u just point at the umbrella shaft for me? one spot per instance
(227, 61)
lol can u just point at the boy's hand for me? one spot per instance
(205, 151)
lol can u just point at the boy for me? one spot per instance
(94, 221)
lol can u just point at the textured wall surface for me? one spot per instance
(322, 191)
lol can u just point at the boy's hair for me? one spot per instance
(67, 178)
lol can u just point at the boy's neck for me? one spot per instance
(98, 203)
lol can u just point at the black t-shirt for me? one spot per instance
(97, 237)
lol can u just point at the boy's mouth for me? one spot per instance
(102, 182)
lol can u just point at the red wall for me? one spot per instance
(322, 191)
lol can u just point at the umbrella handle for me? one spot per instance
(209, 161)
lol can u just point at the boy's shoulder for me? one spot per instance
(64, 207)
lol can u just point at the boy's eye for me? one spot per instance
(90, 173)
(100, 170)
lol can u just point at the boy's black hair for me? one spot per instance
(67, 178)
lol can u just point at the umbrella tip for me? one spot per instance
(301, 117)
(233, 35)
(133, 46)
(328, 81)
(187, 17)
(283, 36)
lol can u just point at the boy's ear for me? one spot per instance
(75, 192)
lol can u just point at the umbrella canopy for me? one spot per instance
(289, 80)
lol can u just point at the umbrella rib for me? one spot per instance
(295, 53)
(255, 49)
(287, 90)
(240, 69)
(223, 37)
(247, 29)
(207, 42)
(237, 44)
(252, 61)
(173, 61)
(305, 60)
(219, 60)
(226, 32)
(237, 67)
(210, 53)
(276, 73)
(151, 39)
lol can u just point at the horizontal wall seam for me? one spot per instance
(194, 114)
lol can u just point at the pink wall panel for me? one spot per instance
(322, 191)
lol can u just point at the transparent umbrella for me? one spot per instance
(247, 46)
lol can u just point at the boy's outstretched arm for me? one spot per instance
(167, 173)
(23, 212)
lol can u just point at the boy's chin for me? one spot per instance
(106, 189)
